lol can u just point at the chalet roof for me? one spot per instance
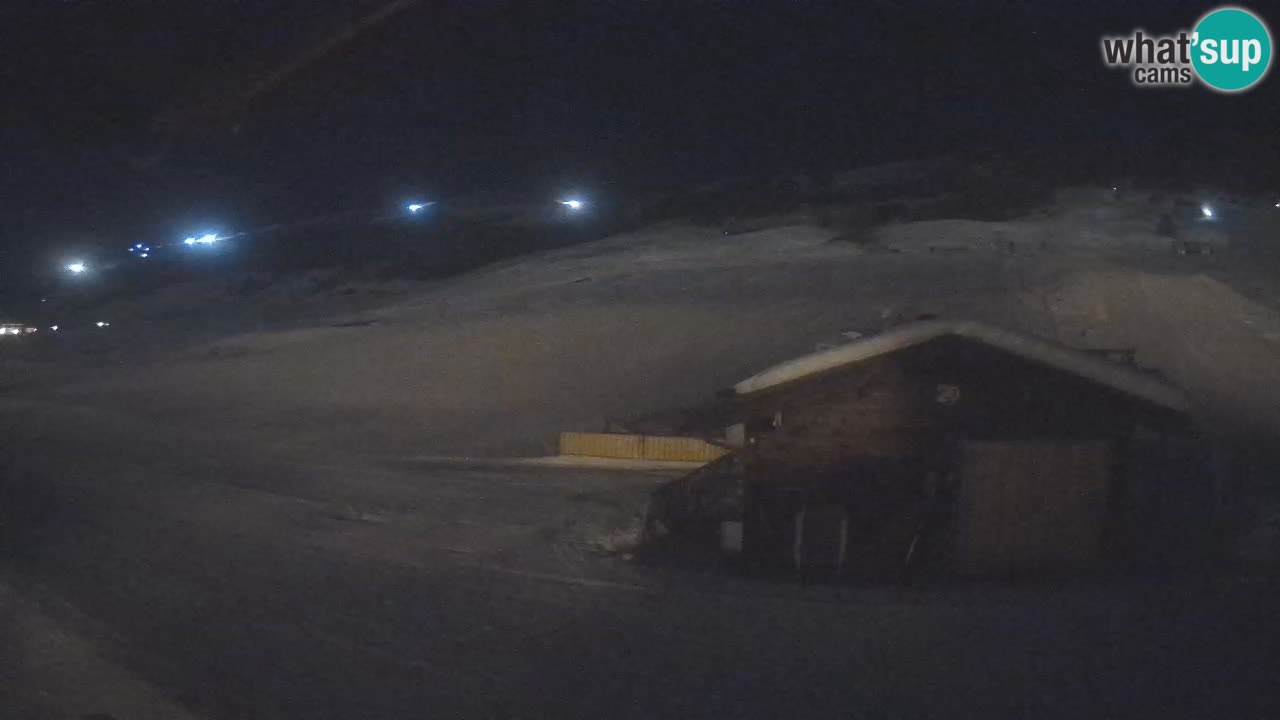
(1038, 350)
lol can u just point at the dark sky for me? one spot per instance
(532, 98)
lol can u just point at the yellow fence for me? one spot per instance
(639, 447)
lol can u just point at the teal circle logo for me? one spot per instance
(1231, 49)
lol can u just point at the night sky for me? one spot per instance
(529, 98)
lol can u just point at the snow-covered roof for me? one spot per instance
(1044, 352)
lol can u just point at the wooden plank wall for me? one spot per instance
(1031, 506)
(874, 412)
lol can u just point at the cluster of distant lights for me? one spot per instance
(571, 204)
(55, 328)
(143, 250)
(28, 330)
(417, 207)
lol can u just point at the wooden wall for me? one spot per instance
(1031, 507)
(875, 411)
(911, 403)
(874, 437)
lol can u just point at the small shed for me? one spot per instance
(962, 448)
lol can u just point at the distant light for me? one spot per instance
(145, 254)
(1206, 211)
(1278, 204)
(416, 207)
(103, 324)
(189, 241)
(53, 328)
(77, 267)
(573, 204)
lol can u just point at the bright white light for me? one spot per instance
(1206, 211)
(416, 207)
(53, 328)
(103, 324)
(145, 254)
(573, 204)
(77, 267)
(189, 241)
(1278, 205)
(206, 239)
